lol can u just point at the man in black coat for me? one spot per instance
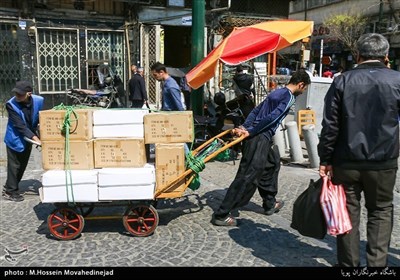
(137, 89)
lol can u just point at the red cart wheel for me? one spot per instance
(140, 220)
(65, 224)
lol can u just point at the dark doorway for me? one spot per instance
(177, 48)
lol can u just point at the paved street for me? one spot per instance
(184, 237)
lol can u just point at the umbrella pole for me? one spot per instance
(260, 81)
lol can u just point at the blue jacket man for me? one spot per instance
(23, 119)
(172, 98)
(260, 163)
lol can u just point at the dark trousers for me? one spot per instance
(378, 186)
(259, 168)
(16, 165)
(137, 103)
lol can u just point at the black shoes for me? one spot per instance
(16, 197)
(229, 221)
(278, 206)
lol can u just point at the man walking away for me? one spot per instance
(260, 163)
(359, 147)
(137, 89)
(23, 118)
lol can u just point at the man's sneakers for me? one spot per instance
(16, 197)
(229, 221)
(278, 206)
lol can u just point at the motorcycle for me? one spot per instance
(93, 98)
(106, 94)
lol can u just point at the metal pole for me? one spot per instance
(320, 57)
(279, 140)
(198, 22)
(311, 140)
(294, 142)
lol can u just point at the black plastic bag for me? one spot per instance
(308, 218)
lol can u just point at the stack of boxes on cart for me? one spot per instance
(107, 154)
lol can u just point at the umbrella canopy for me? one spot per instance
(175, 72)
(245, 43)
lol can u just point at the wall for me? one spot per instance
(364, 7)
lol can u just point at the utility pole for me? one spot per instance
(380, 29)
(198, 22)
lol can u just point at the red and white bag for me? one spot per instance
(333, 204)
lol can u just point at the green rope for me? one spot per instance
(196, 163)
(66, 129)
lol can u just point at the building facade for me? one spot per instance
(382, 16)
(58, 44)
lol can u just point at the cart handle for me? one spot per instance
(32, 142)
(208, 158)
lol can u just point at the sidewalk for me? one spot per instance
(184, 237)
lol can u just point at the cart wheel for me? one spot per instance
(65, 223)
(140, 220)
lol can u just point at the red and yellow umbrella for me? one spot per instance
(245, 43)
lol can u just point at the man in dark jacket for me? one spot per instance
(359, 147)
(23, 118)
(137, 89)
(245, 90)
(260, 163)
(244, 82)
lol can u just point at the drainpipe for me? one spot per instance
(305, 9)
(198, 23)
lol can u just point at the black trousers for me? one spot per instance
(378, 187)
(137, 103)
(16, 165)
(259, 168)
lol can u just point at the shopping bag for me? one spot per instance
(333, 203)
(307, 216)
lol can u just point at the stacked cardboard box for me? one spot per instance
(109, 147)
(127, 183)
(119, 138)
(80, 145)
(82, 186)
(169, 131)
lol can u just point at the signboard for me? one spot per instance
(187, 20)
(176, 3)
(22, 24)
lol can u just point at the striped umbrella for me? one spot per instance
(245, 43)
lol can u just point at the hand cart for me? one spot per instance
(141, 219)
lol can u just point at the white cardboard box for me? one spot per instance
(83, 187)
(119, 131)
(132, 192)
(127, 176)
(127, 183)
(119, 116)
